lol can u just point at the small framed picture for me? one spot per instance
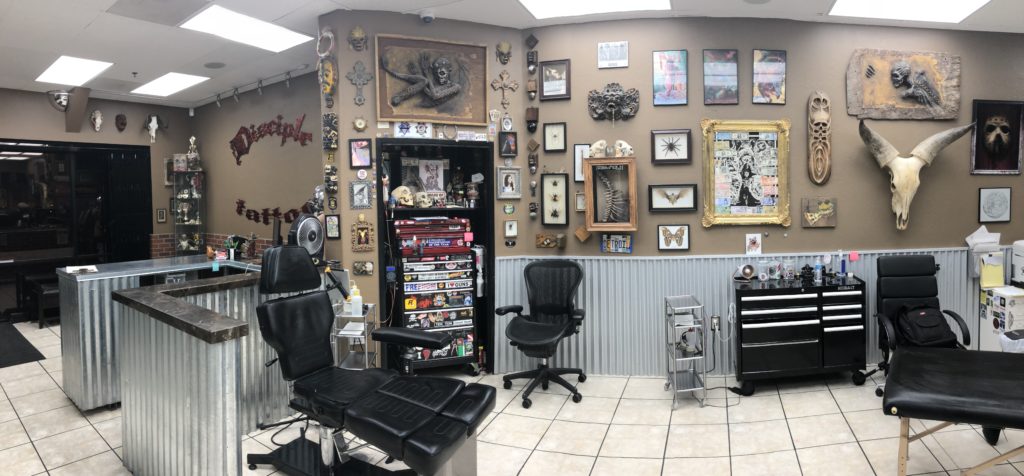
(511, 228)
(507, 144)
(359, 153)
(579, 152)
(509, 183)
(673, 237)
(721, 77)
(994, 205)
(168, 171)
(752, 244)
(581, 202)
(556, 80)
(670, 80)
(613, 54)
(333, 225)
(360, 194)
(161, 215)
(672, 198)
(671, 146)
(769, 77)
(554, 204)
(997, 141)
(554, 137)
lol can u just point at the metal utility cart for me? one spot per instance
(685, 330)
(354, 329)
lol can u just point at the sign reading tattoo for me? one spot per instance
(266, 216)
(247, 136)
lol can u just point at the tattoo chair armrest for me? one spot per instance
(501, 311)
(890, 330)
(412, 337)
(963, 326)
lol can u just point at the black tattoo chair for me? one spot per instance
(428, 423)
(551, 289)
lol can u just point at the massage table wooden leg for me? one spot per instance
(904, 442)
(993, 461)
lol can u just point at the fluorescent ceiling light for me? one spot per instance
(8, 152)
(71, 71)
(169, 84)
(32, 154)
(30, 144)
(10, 157)
(542, 9)
(234, 26)
(939, 11)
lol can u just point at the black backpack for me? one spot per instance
(923, 326)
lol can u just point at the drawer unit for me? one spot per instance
(844, 346)
(780, 331)
(781, 357)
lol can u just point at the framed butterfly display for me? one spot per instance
(673, 237)
(672, 198)
(554, 206)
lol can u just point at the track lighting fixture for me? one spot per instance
(235, 94)
(259, 87)
(218, 100)
(288, 79)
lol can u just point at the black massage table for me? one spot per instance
(955, 386)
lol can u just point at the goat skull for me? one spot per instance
(904, 172)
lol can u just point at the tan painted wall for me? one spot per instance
(28, 115)
(271, 174)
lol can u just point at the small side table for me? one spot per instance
(354, 329)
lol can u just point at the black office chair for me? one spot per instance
(551, 289)
(906, 281)
(422, 421)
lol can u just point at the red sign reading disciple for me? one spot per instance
(247, 136)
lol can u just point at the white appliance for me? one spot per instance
(1003, 311)
(1017, 265)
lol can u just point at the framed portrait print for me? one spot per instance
(579, 152)
(359, 153)
(994, 205)
(997, 141)
(509, 183)
(672, 198)
(555, 80)
(332, 223)
(554, 137)
(360, 194)
(610, 189)
(670, 80)
(581, 202)
(613, 54)
(554, 206)
(769, 77)
(670, 147)
(673, 237)
(507, 145)
(161, 215)
(746, 166)
(511, 228)
(721, 77)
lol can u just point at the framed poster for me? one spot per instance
(168, 171)
(555, 80)
(511, 228)
(746, 166)
(509, 183)
(161, 215)
(670, 146)
(721, 77)
(672, 198)
(670, 80)
(333, 225)
(613, 54)
(360, 194)
(359, 153)
(408, 88)
(554, 189)
(507, 146)
(579, 152)
(554, 137)
(610, 189)
(769, 77)
(997, 141)
(673, 237)
(994, 205)
(818, 212)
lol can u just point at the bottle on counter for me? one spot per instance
(818, 268)
(355, 300)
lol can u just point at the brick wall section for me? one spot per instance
(161, 245)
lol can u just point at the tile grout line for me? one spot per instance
(848, 425)
(796, 454)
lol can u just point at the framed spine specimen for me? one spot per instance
(610, 188)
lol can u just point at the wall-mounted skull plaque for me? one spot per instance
(503, 52)
(613, 102)
(96, 118)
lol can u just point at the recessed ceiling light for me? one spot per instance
(71, 71)
(169, 84)
(214, 65)
(234, 26)
(542, 9)
(940, 11)
(32, 154)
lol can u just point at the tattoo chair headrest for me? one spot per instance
(288, 269)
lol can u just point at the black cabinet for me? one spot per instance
(791, 328)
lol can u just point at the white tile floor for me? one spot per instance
(623, 426)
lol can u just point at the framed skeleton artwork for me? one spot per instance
(746, 172)
(889, 84)
(671, 147)
(434, 81)
(672, 198)
(554, 204)
(673, 237)
(610, 188)
(997, 141)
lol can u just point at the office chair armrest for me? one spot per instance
(412, 337)
(501, 311)
(890, 330)
(578, 315)
(963, 326)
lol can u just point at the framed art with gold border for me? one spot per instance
(609, 185)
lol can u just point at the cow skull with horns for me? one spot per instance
(904, 172)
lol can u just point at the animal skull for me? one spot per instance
(153, 124)
(904, 172)
(997, 135)
(504, 51)
(597, 149)
(442, 70)
(96, 118)
(423, 200)
(403, 195)
(623, 149)
(357, 38)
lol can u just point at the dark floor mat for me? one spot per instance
(14, 349)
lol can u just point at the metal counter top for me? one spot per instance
(155, 266)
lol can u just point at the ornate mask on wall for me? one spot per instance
(503, 51)
(997, 135)
(357, 38)
(613, 102)
(120, 121)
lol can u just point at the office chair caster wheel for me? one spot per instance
(879, 392)
(576, 397)
(527, 403)
(544, 385)
(991, 434)
(859, 378)
(507, 384)
(583, 378)
(252, 467)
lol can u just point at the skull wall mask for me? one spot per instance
(503, 51)
(442, 70)
(997, 135)
(357, 38)
(900, 74)
(120, 121)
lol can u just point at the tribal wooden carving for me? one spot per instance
(819, 137)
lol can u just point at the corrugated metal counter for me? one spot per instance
(88, 323)
(192, 375)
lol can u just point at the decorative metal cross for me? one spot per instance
(504, 84)
(359, 77)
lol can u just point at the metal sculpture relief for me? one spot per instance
(613, 102)
(504, 85)
(325, 68)
(357, 38)
(887, 84)
(904, 171)
(359, 77)
(433, 81)
(503, 51)
(819, 137)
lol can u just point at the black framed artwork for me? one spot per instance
(673, 237)
(555, 80)
(333, 226)
(508, 146)
(997, 142)
(554, 137)
(359, 153)
(554, 201)
(721, 77)
(769, 72)
(672, 197)
(579, 152)
(994, 205)
(671, 146)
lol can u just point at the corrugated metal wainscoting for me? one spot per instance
(624, 300)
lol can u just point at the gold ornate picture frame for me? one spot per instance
(363, 236)
(609, 185)
(746, 172)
